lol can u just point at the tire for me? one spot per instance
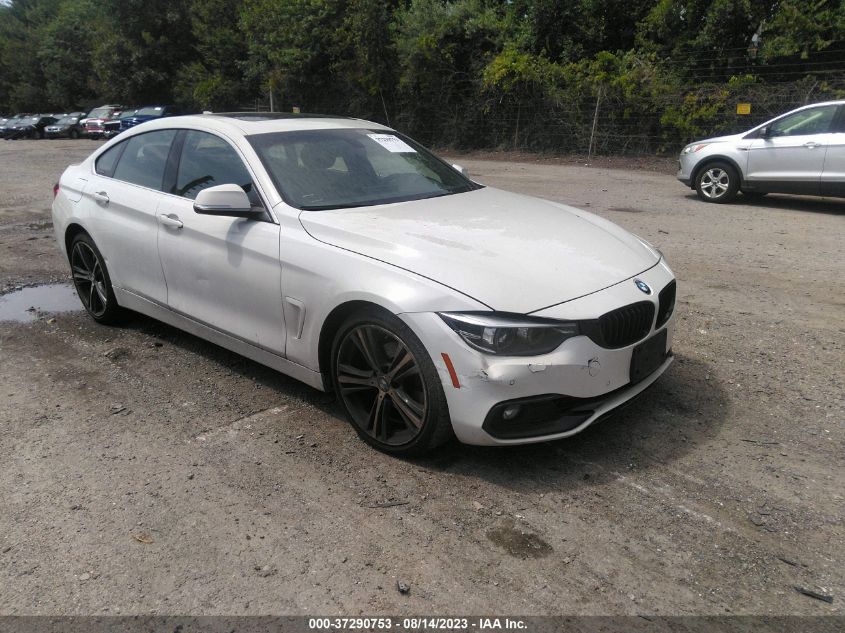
(717, 182)
(74, 134)
(92, 281)
(388, 386)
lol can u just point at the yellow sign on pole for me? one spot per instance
(296, 109)
(743, 108)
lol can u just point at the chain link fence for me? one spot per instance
(604, 121)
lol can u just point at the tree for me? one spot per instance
(216, 79)
(290, 48)
(65, 54)
(144, 46)
(707, 39)
(801, 28)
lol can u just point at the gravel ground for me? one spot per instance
(146, 471)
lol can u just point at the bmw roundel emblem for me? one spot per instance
(642, 286)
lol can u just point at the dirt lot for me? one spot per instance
(146, 471)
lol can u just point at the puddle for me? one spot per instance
(27, 304)
(519, 543)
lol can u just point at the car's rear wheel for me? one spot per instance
(388, 385)
(73, 134)
(91, 278)
(717, 182)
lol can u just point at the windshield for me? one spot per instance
(154, 111)
(31, 120)
(333, 169)
(99, 113)
(68, 120)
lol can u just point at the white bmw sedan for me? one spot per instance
(346, 255)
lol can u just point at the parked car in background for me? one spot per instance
(800, 152)
(348, 256)
(112, 127)
(67, 126)
(31, 127)
(94, 122)
(148, 113)
(12, 122)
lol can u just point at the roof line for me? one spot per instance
(269, 116)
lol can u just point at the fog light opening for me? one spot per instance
(511, 412)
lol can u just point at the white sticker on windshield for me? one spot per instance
(392, 143)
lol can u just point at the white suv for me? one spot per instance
(800, 152)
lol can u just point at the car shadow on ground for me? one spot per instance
(785, 202)
(686, 407)
(234, 362)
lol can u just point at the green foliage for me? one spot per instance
(533, 74)
(803, 27)
(65, 53)
(144, 43)
(213, 78)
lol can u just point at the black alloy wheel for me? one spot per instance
(91, 279)
(388, 385)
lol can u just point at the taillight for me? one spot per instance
(55, 190)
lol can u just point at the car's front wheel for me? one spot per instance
(92, 281)
(388, 385)
(717, 182)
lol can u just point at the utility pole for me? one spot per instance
(595, 120)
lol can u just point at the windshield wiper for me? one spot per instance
(373, 203)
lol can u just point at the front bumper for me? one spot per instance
(686, 167)
(595, 380)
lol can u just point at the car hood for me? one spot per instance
(513, 253)
(720, 139)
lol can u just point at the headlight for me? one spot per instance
(510, 335)
(695, 147)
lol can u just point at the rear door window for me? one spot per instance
(144, 160)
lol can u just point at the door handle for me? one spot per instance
(170, 220)
(811, 144)
(101, 197)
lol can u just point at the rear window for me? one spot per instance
(150, 111)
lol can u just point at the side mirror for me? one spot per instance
(225, 200)
(765, 132)
(463, 172)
